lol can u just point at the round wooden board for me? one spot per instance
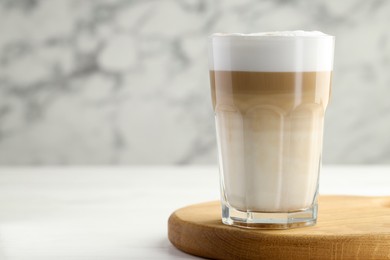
(348, 227)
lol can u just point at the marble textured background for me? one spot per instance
(126, 82)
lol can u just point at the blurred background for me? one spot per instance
(126, 82)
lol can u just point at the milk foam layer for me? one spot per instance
(286, 51)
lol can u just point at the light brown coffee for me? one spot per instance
(286, 90)
(269, 127)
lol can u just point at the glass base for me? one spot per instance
(269, 220)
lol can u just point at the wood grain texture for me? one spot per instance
(348, 227)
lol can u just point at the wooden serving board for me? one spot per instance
(348, 227)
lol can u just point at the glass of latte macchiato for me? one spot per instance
(269, 93)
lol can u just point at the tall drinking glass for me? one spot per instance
(269, 93)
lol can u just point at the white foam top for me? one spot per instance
(286, 51)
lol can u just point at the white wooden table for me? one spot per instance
(121, 213)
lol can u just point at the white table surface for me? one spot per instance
(121, 213)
